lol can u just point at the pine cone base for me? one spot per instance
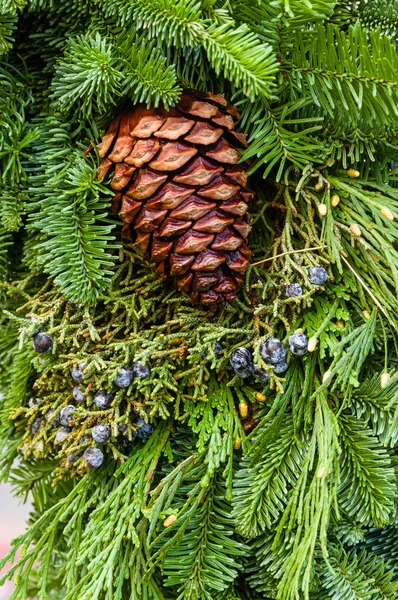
(182, 194)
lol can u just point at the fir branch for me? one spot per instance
(87, 72)
(357, 576)
(384, 543)
(368, 487)
(339, 74)
(237, 53)
(207, 557)
(261, 484)
(275, 139)
(74, 206)
(147, 77)
(7, 28)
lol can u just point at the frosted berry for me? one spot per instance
(317, 275)
(144, 430)
(77, 394)
(101, 433)
(293, 289)
(242, 362)
(49, 416)
(42, 342)
(260, 374)
(33, 402)
(280, 368)
(241, 358)
(140, 370)
(78, 373)
(298, 344)
(93, 457)
(62, 434)
(273, 351)
(124, 378)
(73, 458)
(36, 426)
(102, 399)
(217, 349)
(66, 415)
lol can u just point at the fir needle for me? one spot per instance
(285, 253)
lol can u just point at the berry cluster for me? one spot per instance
(316, 276)
(65, 420)
(273, 352)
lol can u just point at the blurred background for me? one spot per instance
(13, 517)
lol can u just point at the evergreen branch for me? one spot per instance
(261, 485)
(276, 21)
(377, 407)
(275, 139)
(7, 27)
(238, 54)
(146, 75)
(381, 14)
(207, 556)
(358, 576)
(19, 374)
(12, 203)
(235, 51)
(306, 517)
(384, 543)
(347, 72)
(176, 22)
(73, 216)
(368, 487)
(87, 72)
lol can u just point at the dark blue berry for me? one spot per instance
(102, 399)
(293, 289)
(42, 342)
(36, 425)
(298, 344)
(101, 433)
(49, 416)
(33, 402)
(317, 275)
(77, 394)
(140, 370)
(260, 374)
(242, 362)
(62, 434)
(66, 415)
(124, 378)
(241, 358)
(217, 349)
(78, 373)
(73, 458)
(280, 368)
(93, 457)
(273, 351)
(144, 430)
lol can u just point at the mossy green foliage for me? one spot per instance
(299, 499)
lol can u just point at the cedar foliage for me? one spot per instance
(301, 504)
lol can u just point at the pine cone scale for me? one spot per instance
(181, 193)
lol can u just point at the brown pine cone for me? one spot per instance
(181, 193)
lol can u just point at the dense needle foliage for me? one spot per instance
(299, 498)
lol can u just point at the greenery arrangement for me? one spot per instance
(210, 484)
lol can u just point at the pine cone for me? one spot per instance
(181, 193)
